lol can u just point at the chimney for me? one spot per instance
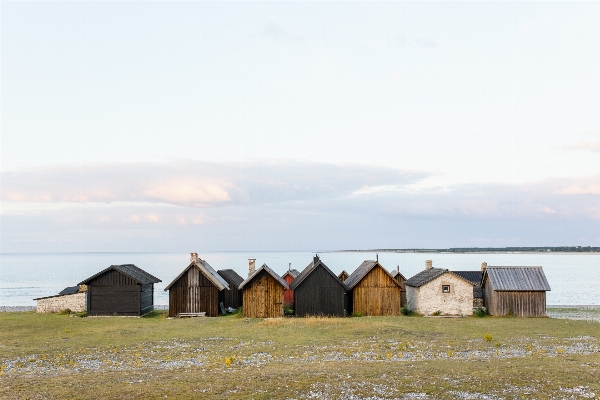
(377, 257)
(251, 266)
(483, 266)
(193, 257)
(315, 259)
(398, 269)
(289, 266)
(428, 264)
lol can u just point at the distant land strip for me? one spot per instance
(559, 249)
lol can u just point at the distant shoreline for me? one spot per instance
(433, 251)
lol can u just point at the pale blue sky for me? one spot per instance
(184, 126)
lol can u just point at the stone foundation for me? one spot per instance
(75, 302)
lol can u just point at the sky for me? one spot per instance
(223, 126)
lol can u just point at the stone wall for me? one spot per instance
(429, 298)
(75, 302)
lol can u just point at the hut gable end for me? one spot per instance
(263, 294)
(374, 291)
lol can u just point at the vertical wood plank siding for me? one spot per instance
(193, 293)
(519, 303)
(288, 295)
(113, 293)
(263, 297)
(319, 294)
(230, 298)
(376, 294)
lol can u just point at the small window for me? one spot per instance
(445, 288)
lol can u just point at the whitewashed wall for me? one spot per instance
(74, 302)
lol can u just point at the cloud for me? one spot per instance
(589, 141)
(277, 33)
(425, 42)
(196, 183)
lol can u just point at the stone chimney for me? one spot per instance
(251, 266)
(428, 264)
(193, 257)
(483, 266)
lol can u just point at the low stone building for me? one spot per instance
(437, 291)
(72, 298)
(475, 278)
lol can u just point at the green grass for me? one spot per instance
(57, 356)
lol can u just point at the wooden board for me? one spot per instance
(263, 297)
(376, 294)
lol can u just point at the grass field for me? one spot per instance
(62, 356)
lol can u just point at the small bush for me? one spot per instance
(479, 312)
(65, 311)
(288, 310)
(436, 313)
(487, 337)
(406, 311)
(357, 314)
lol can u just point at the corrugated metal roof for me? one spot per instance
(270, 272)
(208, 271)
(517, 278)
(362, 271)
(231, 276)
(308, 270)
(136, 273)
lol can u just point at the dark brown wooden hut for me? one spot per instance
(262, 294)
(288, 295)
(373, 290)
(518, 291)
(232, 297)
(196, 290)
(343, 275)
(400, 279)
(120, 290)
(318, 291)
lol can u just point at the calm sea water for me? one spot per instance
(574, 278)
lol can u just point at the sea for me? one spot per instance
(573, 277)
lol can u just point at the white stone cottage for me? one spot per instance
(437, 291)
(71, 298)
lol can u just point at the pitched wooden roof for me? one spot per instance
(395, 273)
(270, 272)
(293, 272)
(130, 270)
(362, 271)
(231, 276)
(430, 274)
(308, 270)
(343, 273)
(208, 271)
(517, 278)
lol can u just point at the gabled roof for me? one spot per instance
(362, 271)
(231, 276)
(130, 270)
(343, 273)
(430, 274)
(270, 272)
(517, 278)
(208, 271)
(395, 273)
(472, 276)
(293, 272)
(69, 290)
(308, 270)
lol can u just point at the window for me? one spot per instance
(445, 288)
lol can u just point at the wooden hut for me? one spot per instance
(196, 290)
(343, 275)
(263, 294)
(439, 291)
(373, 290)
(518, 291)
(318, 291)
(400, 279)
(120, 290)
(232, 297)
(288, 295)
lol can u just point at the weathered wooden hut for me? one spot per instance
(196, 289)
(438, 290)
(232, 297)
(318, 291)
(262, 294)
(288, 294)
(373, 290)
(343, 275)
(518, 291)
(475, 278)
(400, 279)
(120, 290)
